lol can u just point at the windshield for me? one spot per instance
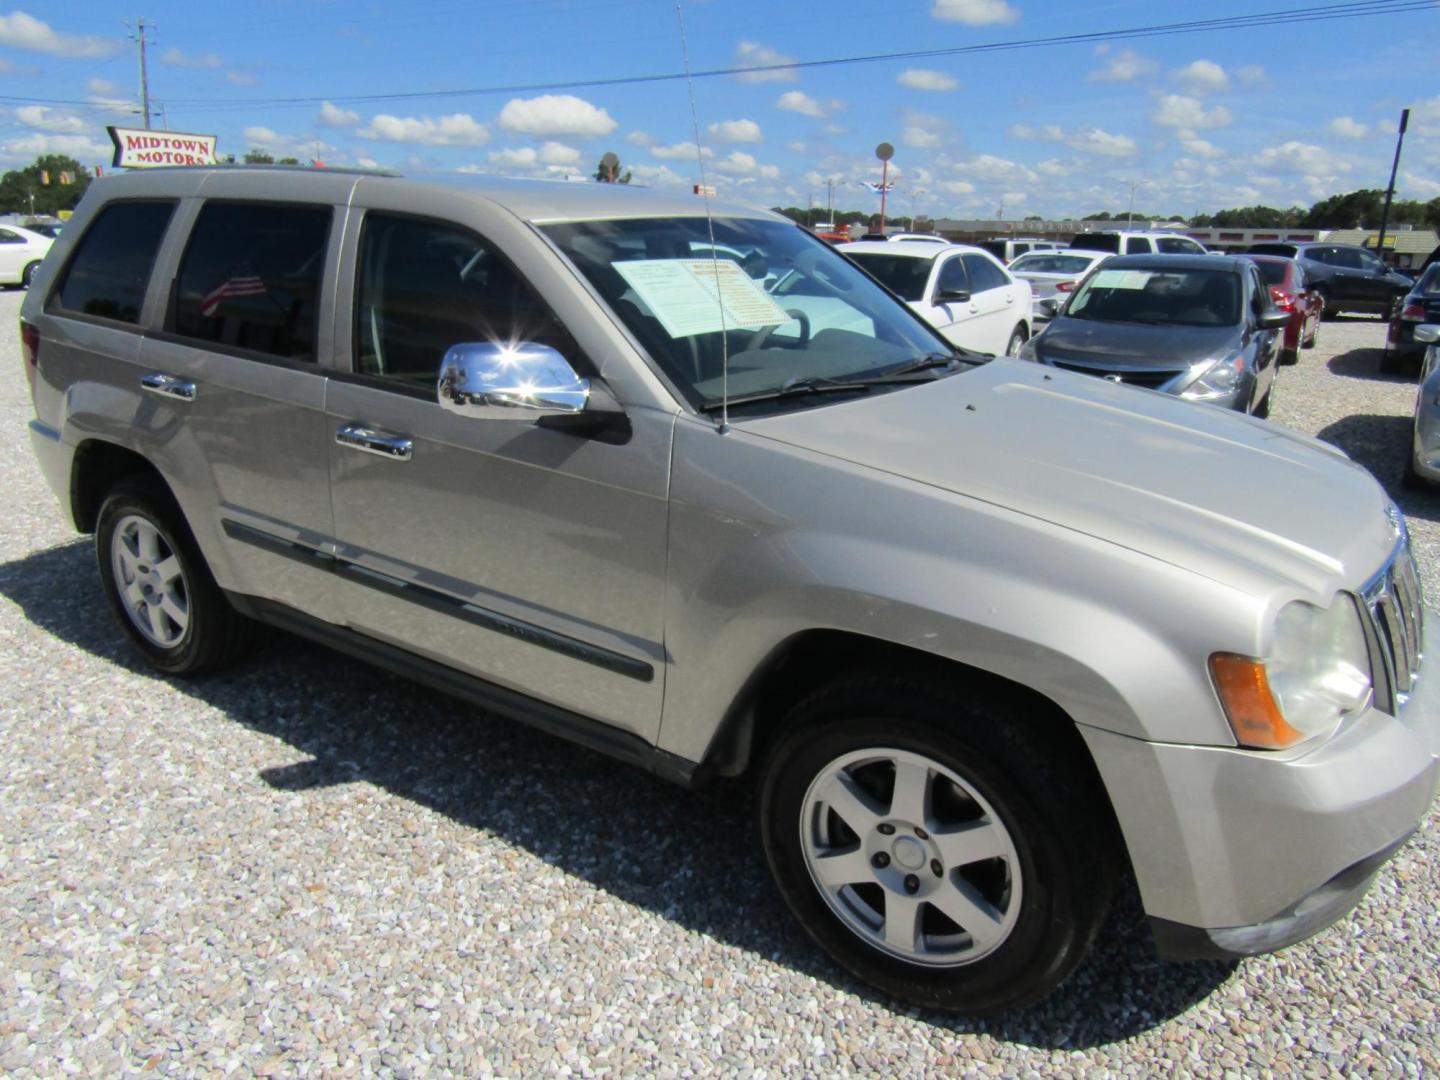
(903, 275)
(782, 305)
(1165, 297)
(1051, 264)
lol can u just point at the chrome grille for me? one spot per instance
(1396, 609)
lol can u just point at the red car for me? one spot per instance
(1290, 293)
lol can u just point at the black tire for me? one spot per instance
(1262, 407)
(214, 634)
(1017, 340)
(1314, 337)
(28, 274)
(1326, 311)
(1411, 480)
(1062, 840)
(1289, 357)
(1392, 363)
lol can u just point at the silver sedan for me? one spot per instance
(1053, 276)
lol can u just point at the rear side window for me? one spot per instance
(250, 278)
(425, 286)
(111, 265)
(8, 237)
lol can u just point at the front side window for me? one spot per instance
(424, 286)
(952, 277)
(784, 310)
(1345, 258)
(107, 274)
(984, 274)
(250, 278)
(1159, 297)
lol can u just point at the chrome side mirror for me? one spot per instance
(523, 382)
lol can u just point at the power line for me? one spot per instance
(1353, 9)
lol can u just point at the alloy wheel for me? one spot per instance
(151, 581)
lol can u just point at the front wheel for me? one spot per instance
(934, 849)
(158, 585)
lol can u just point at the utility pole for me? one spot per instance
(830, 201)
(139, 38)
(1130, 212)
(1390, 191)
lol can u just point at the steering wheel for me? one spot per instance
(759, 340)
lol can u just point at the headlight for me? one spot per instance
(1219, 380)
(1317, 674)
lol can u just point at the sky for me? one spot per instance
(1281, 115)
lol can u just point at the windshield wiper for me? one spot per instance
(794, 388)
(926, 362)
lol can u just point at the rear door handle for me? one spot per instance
(170, 386)
(373, 441)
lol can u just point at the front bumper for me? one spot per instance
(1238, 851)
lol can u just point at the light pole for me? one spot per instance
(912, 196)
(1130, 211)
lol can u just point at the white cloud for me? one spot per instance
(1022, 131)
(1202, 77)
(736, 131)
(975, 12)
(240, 78)
(1250, 73)
(682, 151)
(264, 138)
(458, 129)
(996, 170)
(639, 138)
(335, 116)
(1348, 128)
(738, 163)
(1053, 167)
(1096, 141)
(101, 86)
(658, 176)
(925, 79)
(47, 119)
(555, 114)
(919, 136)
(1193, 144)
(797, 101)
(367, 163)
(1304, 159)
(769, 172)
(752, 54)
(1178, 111)
(21, 31)
(957, 187)
(554, 153)
(1124, 66)
(524, 157)
(1014, 198)
(81, 147)
(1417, 186)
(176, 58)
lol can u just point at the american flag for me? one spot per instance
(877, 187)
(242, 281)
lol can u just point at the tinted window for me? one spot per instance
(8, 237)
(952, 276)
(984, 274)
(903, 275)
(1272, 272)
(425, 286)
(250, 278)
(1286, 250)
(107, 274)
(1138, 245)
(1317, 254)
(994, 247)
(1178, 245)
(1349, 258)
(1429, 284)
(1097, 242)
(1371, 263)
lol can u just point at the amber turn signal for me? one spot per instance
(1249, 705)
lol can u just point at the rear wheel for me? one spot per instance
(158, 585)
(28, 274)
(1017, 340)
(935, 849)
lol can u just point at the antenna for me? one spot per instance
(710, 225)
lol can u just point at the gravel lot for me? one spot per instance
(310, 867)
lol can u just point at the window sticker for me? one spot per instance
(1121, 279)
(700, 296)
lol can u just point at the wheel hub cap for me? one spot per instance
(909, 853)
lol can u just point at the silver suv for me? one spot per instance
(699, 493)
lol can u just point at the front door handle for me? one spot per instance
(170, 386)
(373, 441)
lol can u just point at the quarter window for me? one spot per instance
(425, 286)
(250, 278)
(111, 265)
(8, 237)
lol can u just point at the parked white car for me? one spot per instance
(961, 291)
(21, 252)
(1053, 276)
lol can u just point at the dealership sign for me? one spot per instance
(137, 148)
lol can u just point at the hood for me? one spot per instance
(1235, 499)
(1134, 344)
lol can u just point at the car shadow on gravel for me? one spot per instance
(687, 856)
(1382, 444)
(1365, 364)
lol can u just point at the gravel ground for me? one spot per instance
(308, 867)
